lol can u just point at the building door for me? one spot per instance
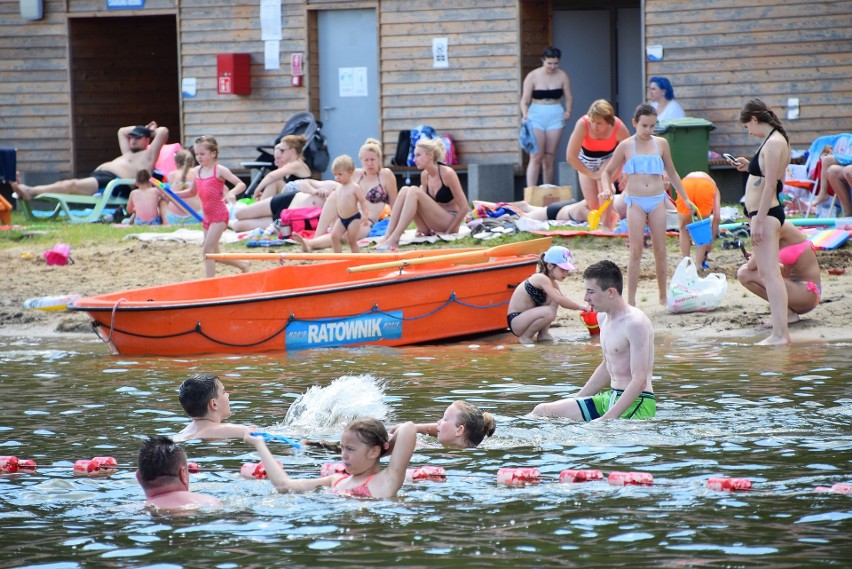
(113, 86)
(603, 55)
(349, 79)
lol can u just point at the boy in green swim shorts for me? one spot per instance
(620, 387)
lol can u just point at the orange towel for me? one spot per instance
(5, 211)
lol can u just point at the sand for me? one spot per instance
(102, 269)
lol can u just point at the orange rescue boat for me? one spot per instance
(328, 304)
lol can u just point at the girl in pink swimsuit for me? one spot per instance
(209, 186)
(363, 443)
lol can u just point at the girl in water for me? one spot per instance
(464, 425)
(532, 308)
(363, 443)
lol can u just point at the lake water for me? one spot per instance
(779, 417)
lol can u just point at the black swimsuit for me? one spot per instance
(754, 169)
(280, 202)
(538, 296)
(444, 193)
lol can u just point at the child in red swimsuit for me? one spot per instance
(209, 186)
(363, 443)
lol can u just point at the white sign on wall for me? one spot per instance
(352, 81)
(440, 54)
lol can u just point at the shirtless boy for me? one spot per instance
(140, 146)
(352, 207)
(205, 400)
(144, 201)
(620, 387)
(163, 475)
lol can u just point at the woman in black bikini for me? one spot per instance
(765, 212)
(379, 184)
(532, 308)
(438, 205)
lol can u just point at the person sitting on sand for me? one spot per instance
(140, 146)
(799, 268)
(532, 308)
(144, 201)
(163, 474)
(464, 425)
(203, 397)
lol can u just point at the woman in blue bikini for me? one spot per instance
(645, 158)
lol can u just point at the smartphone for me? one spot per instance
(730, 158)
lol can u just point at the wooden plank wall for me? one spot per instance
(732, 50)
(476, 98)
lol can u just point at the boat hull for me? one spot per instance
(309, 306)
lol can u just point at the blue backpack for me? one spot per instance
(418, 132)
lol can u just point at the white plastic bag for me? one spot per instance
(688, 292)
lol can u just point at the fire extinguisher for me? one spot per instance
(296, 69)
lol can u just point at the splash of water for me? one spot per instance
(333, 406)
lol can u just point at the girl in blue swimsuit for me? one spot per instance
(644, 158)
(532, 308)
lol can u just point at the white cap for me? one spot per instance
(561, 257)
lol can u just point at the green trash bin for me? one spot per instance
(689, 139)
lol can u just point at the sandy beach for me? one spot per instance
(130, 264)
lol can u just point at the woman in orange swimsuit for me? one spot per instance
(799, 268)
(363, 443)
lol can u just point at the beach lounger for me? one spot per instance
(76, 208)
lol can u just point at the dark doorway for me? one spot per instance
(124, 71)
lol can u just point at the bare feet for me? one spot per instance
(526, 341)
(19, 188)
(545, 337)
(775, 341)
(243, 266)
(792, 317)
(306, 247)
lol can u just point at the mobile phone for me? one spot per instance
(730, 158)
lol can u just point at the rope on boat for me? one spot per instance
(293, 318)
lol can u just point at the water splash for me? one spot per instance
(333, 406)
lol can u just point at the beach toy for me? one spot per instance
(829, 239)
(434, 473)
(175, 198)
(59, 255)
(193, 468)
(8, 464)
(630, 479)
(518, 476)
(569, 476)
(331, 468)
(253, 470)
(594, 217)
(836, 489)
(729, 484)
(278, 438)
(701, 231)
(590, 319)
(51, 303)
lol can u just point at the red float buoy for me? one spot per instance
(104, 463)
(27, 465)
(253, 470)
(569, 476)
(434, 473)
(518, 476)
(836, 488)
(8, 464)
(332, 468)
(84, 467)
(631, 479)
(193, 468)
(730, 484)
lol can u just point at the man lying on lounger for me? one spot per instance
(140, 146)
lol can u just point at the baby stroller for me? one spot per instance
(315, 152)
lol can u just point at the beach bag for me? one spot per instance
(418, 132)
(688, 292)
(403, 146)
(301, 220)
(450, 155)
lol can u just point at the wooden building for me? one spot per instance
(87, 67)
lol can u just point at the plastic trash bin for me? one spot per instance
(689, 139)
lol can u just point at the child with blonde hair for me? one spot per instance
(363, 442)
(179, 180)
(352, 207)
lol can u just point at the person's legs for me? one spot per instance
(531, 322)
(82, 187)
(337, 232)
(256, 215)
(684, 239)
(590, 188)
(351, 235)
(328, 215)
(801, 299)
(657, 228)
(398, 206)
(211, 245)
(534, 166)
(769, 272)
(827, 161)
(636, 220)
(840, 179)
(430, 215)
(551, 141)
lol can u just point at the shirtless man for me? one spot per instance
(164, 476)
(140, 146)
(203, 397)
(620, 387)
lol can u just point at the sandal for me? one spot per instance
(386, 248)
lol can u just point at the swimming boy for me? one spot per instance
(620, 387)
(163, 475)
(203, 397)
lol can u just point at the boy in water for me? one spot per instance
(350, 197)
(620, 387)
(163, 475)
(203, 397)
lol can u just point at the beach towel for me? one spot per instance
(183, 235)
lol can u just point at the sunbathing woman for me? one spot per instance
(799, 268)
(364, 442)
(436, 206)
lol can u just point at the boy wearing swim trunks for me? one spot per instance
(203, 397)
(620, 387)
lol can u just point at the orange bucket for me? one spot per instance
(590, 319)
